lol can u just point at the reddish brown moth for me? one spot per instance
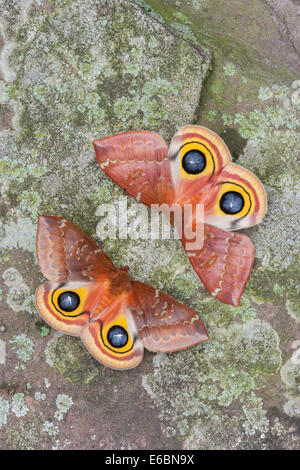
(115, 316)
(196, 169)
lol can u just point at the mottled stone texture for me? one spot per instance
(71, 71)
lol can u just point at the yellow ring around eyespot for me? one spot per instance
(210, 160)
(120, 320)
(53, 299)
(247, 196)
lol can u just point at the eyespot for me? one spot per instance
(68, 301)
(194, 162)
(117, 336)
(232, 202)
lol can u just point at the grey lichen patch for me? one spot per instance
(18, 297)
(290, 375)
(290, 372)
(229, 69)
(195, 386)
(18, 405)
(26, 436)
(50, 428)
(12, 277)
(292, 407)
(214, 312)
(4, 410)
(19, 234)
(223, 431)
(70, 358)
(274, 159)
(23, 346)
(63, 404)
(12, 167)
(40, 396)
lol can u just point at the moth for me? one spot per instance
(115, 316)
(195, 169)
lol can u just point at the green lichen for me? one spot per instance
(211, 115)
(229, 69)
(217, 313)
(26, 436)
(70, 358)
(185, 30)
(18, 405)
(182, 18)
(17, 296)
(145, 5)
(290, 376)
(29, 203)
(44, 331)
(292, 407)
(200, 383)
(23, 346)
(256, 416)
(258, 124)
(290, 372)
(39, 396)
(20, 234)
(14, 170)
(12, 277)
(265, 93)
(50, 428)
(29, 305)
(63, 404)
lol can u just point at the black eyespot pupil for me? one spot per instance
(117, 336)
(194, 162)
(68, 301)
(232, 202)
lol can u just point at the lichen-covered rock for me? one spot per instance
(221, 375)
(71, 71)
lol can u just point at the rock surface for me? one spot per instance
(71, 71)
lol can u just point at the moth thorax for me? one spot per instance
(120, 281)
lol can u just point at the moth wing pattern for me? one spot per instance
(65, 252)
(95, 336)
(138, 162)
(224, 263)
(163, 323)
(73, 263)
(209, 146)
(233, 180)
(114, 316)
(215, 178)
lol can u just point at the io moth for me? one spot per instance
(195, 169)
(115, 316)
